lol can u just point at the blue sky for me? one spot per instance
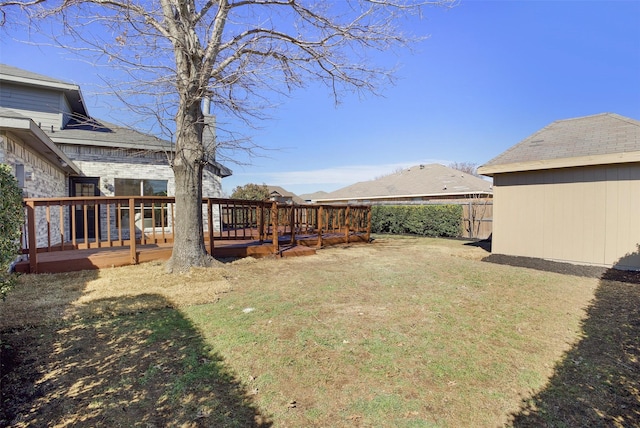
(491, 74)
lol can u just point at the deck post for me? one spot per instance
(292, 223)
(320, 215)
(274, 225)
(347, 211)
(143, 237)
(369, 224)
(132, 232)
(96, 223)
(210, 225)
(85, 223)
(31, 230)
(261, 222)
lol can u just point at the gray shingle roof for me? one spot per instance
(92, 132)
(420, 180)
(590, 136)
(8, 113)
(283, 192)
(31, 134)
(19, 73)
(313, 196)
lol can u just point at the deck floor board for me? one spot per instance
(105, 257)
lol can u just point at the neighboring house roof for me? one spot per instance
(591, 140)
(433, 180)
(28, 78)
(279, 191)
(313, 196)
(27, 130)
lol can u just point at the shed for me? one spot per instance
(571, 193)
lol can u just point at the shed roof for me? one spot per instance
(417, 181)
(590, 140)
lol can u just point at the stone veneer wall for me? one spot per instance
(46, 180)
(111, 163)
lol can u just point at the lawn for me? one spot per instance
(403, 332)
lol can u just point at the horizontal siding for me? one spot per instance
(41, 105)
(586, 215)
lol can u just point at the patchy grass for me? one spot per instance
(405, 332)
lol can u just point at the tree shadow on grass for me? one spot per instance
(597, 384)
(123, 362)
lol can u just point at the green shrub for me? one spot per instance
(11, 220)
(424, 220)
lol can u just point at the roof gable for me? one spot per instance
(27, 78)
(590, 140)
(277, 191)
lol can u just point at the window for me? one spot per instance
(136, 187)
(155, 214)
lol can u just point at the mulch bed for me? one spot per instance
(566, 268)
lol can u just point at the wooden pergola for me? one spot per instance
(77, 233)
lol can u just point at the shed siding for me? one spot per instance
(586, 215)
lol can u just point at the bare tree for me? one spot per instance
(235, 53)
(466, 167)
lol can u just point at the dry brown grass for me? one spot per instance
(403, 332)
(46, 298)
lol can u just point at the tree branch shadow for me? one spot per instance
(597, 383)
(123, 366)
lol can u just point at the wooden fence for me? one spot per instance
(477, 218)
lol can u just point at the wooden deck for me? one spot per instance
(78, 233)
(101, 258)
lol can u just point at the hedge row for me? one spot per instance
(11, 219)
(425, 220)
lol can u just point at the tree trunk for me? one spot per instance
(188, 244)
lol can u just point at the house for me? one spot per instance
(308, 197)
(57, 149)
(420, 183)
(278, 194)
(571, 193)
(45, 120)
(426, 184)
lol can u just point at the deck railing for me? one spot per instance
(75, 223)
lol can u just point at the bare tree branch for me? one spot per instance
(238, 54)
